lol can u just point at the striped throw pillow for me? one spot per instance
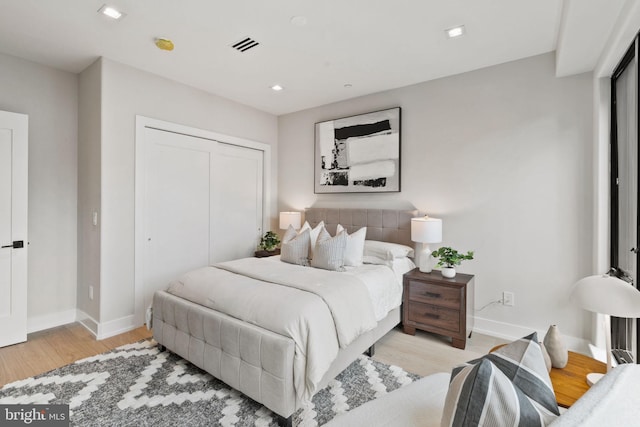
(329, 251)
(295, 247)
(509, 387)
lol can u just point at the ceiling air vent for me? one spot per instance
(245, 44)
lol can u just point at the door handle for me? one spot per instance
(17, 244)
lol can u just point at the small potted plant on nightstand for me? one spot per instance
(269, 241)
(448, 258)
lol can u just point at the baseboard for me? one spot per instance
(88, 322)
(48, 321)
(106, 329)
(115, 327)
(511, 332)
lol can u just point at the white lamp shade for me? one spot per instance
(290, 218)
(607, 295)
(426, 230)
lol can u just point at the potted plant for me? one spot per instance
(269, 241)
(448, 258)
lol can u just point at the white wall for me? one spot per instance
(50, 98)
(504, 156)
(127, 92)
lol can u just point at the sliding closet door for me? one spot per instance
(203, 203)
(237, 202)
(177, 207)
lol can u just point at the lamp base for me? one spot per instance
(593, 378)
(425, 259)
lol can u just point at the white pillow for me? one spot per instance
(314, 232)
(354, 251)
(329, 251)
(385, 250)
(295, 247)
(369, 259)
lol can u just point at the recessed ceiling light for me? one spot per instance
(277, 88)
(298, 21)
(111, 12)
(455, 31)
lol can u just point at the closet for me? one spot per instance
(199, 200)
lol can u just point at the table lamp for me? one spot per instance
(290, 218)
(609, 296)
(426, 230)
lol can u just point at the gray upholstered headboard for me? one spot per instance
(385, 225)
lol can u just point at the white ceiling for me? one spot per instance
(373, 45)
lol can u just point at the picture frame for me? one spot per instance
(358, 154)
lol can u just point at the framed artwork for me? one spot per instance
(358, 154)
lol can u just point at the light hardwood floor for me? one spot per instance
(53, 348)
(427, 353)
(422, 354)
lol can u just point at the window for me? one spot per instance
(625, 247)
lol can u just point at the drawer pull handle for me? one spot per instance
(432, 295)
(431, 316)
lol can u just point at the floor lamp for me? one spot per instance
(609, 296)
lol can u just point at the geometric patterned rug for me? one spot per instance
(138, 385)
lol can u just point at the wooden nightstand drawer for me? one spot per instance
(444, 318)
(434, 294)
(437, 304)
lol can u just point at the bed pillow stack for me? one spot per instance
(316, 247)
(385, 253)
(508, 387)
(326, 252)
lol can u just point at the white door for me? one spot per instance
(177, 207)
(202, 204)
(13, 227)
(237, 202)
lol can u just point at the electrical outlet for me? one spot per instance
(508, 298)
(91, 292)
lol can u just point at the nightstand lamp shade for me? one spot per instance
(290, 218)
(609, 296)
(426, 230)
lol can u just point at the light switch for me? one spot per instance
(95, 218)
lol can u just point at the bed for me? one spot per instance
(263, 364)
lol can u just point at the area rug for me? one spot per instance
(138, 385)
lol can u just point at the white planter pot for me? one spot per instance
(448, 272)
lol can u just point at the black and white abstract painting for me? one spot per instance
(359, 154)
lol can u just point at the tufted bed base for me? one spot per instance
(250, 359)
(256, 361)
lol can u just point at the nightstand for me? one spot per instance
(436, 304)
(264, 254)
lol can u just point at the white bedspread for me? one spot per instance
(320, 310)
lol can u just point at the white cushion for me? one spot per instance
(418, 404)
(329, 251)
(314, 232)
(295, 247)
(612, 401)
(354, 251)
(385, 250)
